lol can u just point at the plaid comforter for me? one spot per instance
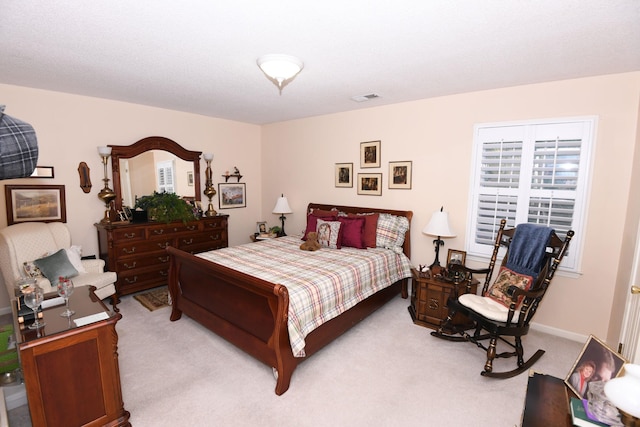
(321, 284)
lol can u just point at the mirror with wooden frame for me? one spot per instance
(153, 164)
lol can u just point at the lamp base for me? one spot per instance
(281, 233)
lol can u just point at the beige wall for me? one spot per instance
(297, 158)
(437, 134)
(70, 127)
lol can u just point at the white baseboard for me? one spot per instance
(559, 332)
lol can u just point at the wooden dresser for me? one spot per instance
(136, 251)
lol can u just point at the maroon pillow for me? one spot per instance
(351, 230)
(370, 227)
(312, 222)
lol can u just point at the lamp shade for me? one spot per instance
(207, 157)
(104, 151)
(439, 225)
(282, 206)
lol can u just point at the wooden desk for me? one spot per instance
(546, 403)
(71, 372)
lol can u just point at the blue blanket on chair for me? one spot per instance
(527, 249)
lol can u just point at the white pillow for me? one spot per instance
(74, 253)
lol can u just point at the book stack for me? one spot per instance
(580, 415)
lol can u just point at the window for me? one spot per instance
(165, 177)
(535, 172)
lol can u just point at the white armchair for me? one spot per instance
(29, 241)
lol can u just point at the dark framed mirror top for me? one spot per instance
(152, 164)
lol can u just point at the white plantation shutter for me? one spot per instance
(530, 172)
(165, 177)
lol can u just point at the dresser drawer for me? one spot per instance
(215, 223)
(169, 230)
(140, 248)
(128, 234)
(138, 262)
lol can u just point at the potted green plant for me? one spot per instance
(165, 207)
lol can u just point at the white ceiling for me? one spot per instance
(199, 56)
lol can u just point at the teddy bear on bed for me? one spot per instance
(312, 242)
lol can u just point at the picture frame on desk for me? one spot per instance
(596, 362)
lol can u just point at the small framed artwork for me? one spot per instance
(456, 257)
(595, 365)
(344, 175)
(400, 175)
(261, 227)
(35, 203)
(42, 172)
(232, 195)
(190, 178)
(370, 154)
(370, 184)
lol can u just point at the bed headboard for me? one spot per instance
(406, 247)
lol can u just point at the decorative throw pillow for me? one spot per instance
(312, 220)
(505, 279)
(351, 230)
(74, 253)
(390, 232)
(329, 233)
(370, 226)
(55, 266)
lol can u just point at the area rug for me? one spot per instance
(154, 299)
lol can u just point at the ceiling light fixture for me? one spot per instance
(280, 69)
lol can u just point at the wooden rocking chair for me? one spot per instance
(505, 309)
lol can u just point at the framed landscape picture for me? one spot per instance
(370, 184)
(344, 175)
(35, 203)
(232, 195)
(370, 154)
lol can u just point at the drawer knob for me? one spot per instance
(187, 242)
(161, 231)
(163, 259)
(129, 236)
(129, 251)
(163, 273)
(130, 266)
(134, 279)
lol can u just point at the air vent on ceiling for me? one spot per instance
(367, 97)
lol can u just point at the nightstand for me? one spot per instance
(429, 297)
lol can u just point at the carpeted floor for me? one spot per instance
(385, 371)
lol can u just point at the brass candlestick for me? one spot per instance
(106, 194)
(209, 189)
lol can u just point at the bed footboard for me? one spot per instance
(248, 312)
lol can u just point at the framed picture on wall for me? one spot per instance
(344, 175)
(400, 175)
(232, 195)
(35, 203)
(370, 154)
(370, 184)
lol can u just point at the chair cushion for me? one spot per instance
(505, 279)
(487, 307)
(55, 266)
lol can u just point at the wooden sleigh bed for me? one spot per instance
(252, 313)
